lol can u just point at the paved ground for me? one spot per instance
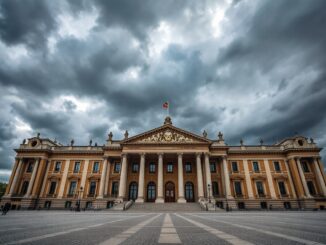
(55, 227)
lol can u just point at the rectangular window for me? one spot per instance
(237, 187)
(277, 167)
(96, 166)
(152, 167)
(117, 167)
(52, 187)
(234, 167)
(92, 188)
(282, 188)
(256, 167)
(311, 188)
(72, 188)
(212, 167)
(260, 188)
(29, 167)
(188, 167)
(115, 188)
(169, 168)
(305, 167)
(57, 166)
(24, 188)
(135, 167)
(77, 167)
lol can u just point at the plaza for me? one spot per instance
(63, 227)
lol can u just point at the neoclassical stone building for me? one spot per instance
(168, 164)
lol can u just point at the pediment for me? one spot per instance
(167, 134)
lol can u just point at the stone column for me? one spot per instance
(123, 177)
(83, 179)
(248, 179)
(296, 178)
(269, 179)
(103, 176)
(159, 198)
(140, 198)
(181, 191)
(64, 179)
(199, 177)
(320, 177)
(107, 178)
(303, 178)
(290, 180)
(208, 176)
(32, 180)
(227, 179)
(16, 177)
(48, 163)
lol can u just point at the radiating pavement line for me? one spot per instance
(220, 234)
(168, 232)
(36, 238)
(126, 234)
(288, 237)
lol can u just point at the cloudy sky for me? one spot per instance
(79, 69)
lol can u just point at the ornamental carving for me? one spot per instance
(167, 137)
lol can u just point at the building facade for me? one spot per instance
(167, 164)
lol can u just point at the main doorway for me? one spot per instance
(189, 192)
(151, 192)
(133, 191)
(169, 192)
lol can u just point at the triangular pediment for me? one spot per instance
(167, 134)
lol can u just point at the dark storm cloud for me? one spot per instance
(26, 22)
(263, 78)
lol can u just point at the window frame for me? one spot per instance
(260, 191)
(116, 164)
(57, 163)
(92, 188)
(152, 165)
(212, 164)
(115, 188)
(312, 191)
(277, 163)
(189, 165)
(235, 188)
(52, 191)
(70, 193)
(76, 170)
(135, 169)
(234, 163)
(96, 167)
(280, 189)
(255, 163)
(215, 189)
(168, 170)
(30, 167)
(24, 187)
(305, 167)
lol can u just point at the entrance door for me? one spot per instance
(169, 192)
(189, 191)
(133, 191)
(151, 192)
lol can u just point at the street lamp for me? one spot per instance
(209, 193)
(79, 194)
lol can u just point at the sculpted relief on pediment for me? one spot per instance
(167, 136)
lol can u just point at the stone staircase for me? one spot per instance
(165, 207)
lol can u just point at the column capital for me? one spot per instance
(180, 153)
(123, 154)
(198, 154)
(142, 154)
(207, 154)
(317, 158)
(160, 153)
(224, 157)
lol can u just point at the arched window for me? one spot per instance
(151, 192)
(133, 191)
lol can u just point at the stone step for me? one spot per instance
(171, 207)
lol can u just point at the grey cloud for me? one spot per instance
(28, 22)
